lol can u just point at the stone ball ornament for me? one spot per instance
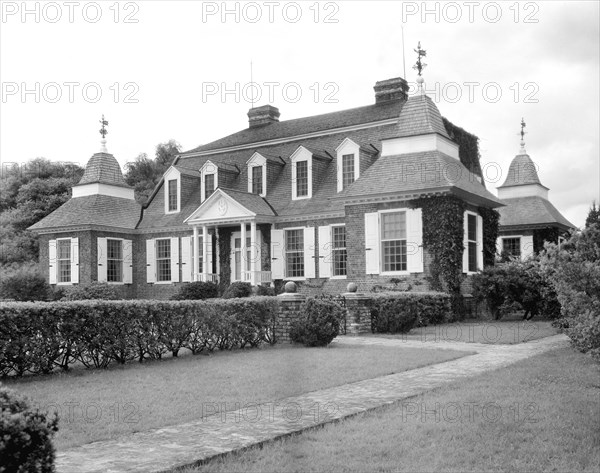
(290, 287)
(352, 287)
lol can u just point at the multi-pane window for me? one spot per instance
(512, 247)
(200, 251)
(257, 180)
(393, 241)
(294, 253)
(63, 257)
(172, 184)
(114, 260)
(338, 248)
(472, 241)
(163, 260)
(209, 185)
(302, 178)
(347, 170)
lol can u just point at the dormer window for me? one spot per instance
(348, 163)
(301, 173)
(257, 173)
(209, 179)
(172, 186)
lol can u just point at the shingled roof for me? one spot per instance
(419, 173)
(300, 126)
(103, 168)
(96, 209)
(522, 171)
(531, 211)
(253, 202)
(420, 116)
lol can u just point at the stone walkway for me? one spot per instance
(163, 449)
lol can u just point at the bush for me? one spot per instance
(265, 291)
(26, 439)
(238, 289)
(94, 290)
(319, 325)
(37, 337)
(516, 285)
(24, 284)
(197, 290)
(400, 312)
(574, 271)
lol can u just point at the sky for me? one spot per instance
(182, 70)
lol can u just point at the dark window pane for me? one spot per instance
(257, 180)
(302, 178)
(172, 195)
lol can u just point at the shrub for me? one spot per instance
(93, 290)
(26, 440)
(238, 289)
(516, 285)
(400, 312)
(24, 284)
(197, 290)
(265, 291)
(319, 324)
(574, 271)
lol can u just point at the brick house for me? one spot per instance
(323, 200)
(528, 218)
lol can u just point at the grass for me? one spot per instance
(498, 332)
(104, 404)
(538, 415)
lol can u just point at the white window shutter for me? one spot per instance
(526, 246)
(127, 262)
(175, 259)
(75, 260)
(150, 261)
(325, 252)
(465, 243)
(52, 262)
(309, 252)
(186, 259)
(414, 240)
(499, 246)
(372, 243)
(480, 242)
(102, 260)
(277, 258)
(209, 253)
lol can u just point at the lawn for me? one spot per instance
(102, 404)
(498, 332)
(538, 415)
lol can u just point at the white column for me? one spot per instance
(205, 251)
(253, 253)
(196, 254)
(218, 258)
(243, 250)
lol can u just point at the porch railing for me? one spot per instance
(210, 277)
(260, 276)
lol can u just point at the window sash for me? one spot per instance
(339, 253)
(302, 178)
(163, 260)
(63, 256)
(472, 242)
(172, 195)
(512, 246)
(257, 180)
(294, 253)
(347, 170)
(209, 185)
(393, 242)
(114, 260)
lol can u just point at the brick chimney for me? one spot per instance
(264, 115)
(391, 89)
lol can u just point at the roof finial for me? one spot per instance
(419, 66)
(523, 132)
(103, 132)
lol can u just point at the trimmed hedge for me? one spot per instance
(37, 337)
(400, 312)
(25, 436)
(197, 290)
(320, 325)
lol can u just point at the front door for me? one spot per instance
(237, 256)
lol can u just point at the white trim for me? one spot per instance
(52, 262)
(300, 155)
(209, 168)
(172, 174)
(347, 147)
(257, 160)
(418, 144)
(276, 141)
(523, 190)
(479, 244)
(98, 188)
(381, 263)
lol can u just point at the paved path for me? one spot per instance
(162, 449)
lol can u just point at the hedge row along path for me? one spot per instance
(227, 431)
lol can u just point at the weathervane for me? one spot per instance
(103, 130)
(523, 132)
(419, 66)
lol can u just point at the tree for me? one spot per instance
(593, 216)
(143, 174)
